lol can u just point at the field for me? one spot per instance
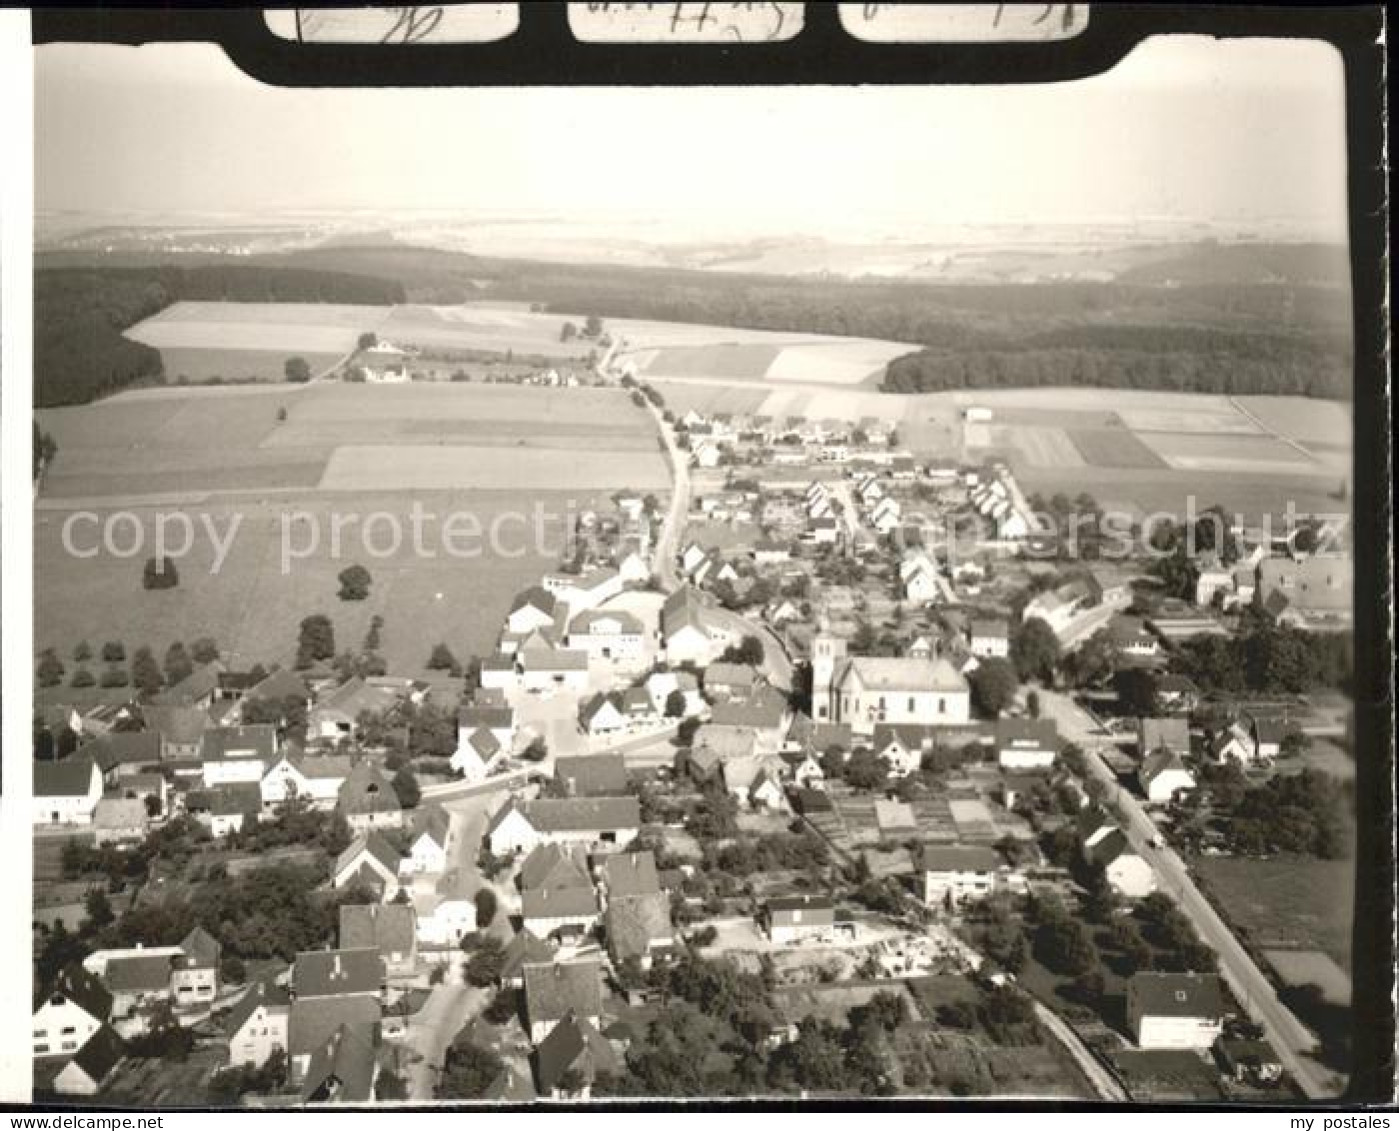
(1285, 903)
(201, 366)
(1311, 967)
(220, 456)
(1113, 448)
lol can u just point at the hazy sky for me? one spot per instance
(1186, 127)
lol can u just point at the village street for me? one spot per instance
(1255, 993)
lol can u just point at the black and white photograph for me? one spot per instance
(781, 592)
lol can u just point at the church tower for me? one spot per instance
(826, 653)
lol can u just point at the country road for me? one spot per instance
(1293, 1040)
(1103, 1081)
(667, 541)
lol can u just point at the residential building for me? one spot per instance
(799, 918)
(687, 631)
(120, 820)
(389, 928)
(92, 1065)
(238, 754)
(615, 636)
(1162, 774)
(1171, 734)
(225, 808)
(430, 834)
(370, 862)
(556, 990)
(66, 792)
(638, 926)
(1105, 845)
(75, 1007)
(447, 913)
(315, 779)
(954, 875)
(989, 638)
(257, 1024)
(592, 775)
(368, 799)
(571, 1057)
(1175, 1011)
(585, 821)
(1026, 744)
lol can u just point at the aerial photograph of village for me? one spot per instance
(586, 594)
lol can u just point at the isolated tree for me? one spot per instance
(281, 413)
(114, 676)
(675, 704)
(354, 581)
(82, 678)
(98, 908)
(316, 641)
(82, 652)
(178, 665)
(204, 650)
(484, 966)
(405, 784)
(373, 638)
(160, 573)
(297, 371)
(592, 326)
(486, 904)
(145, 672)
(441, 659)
(467, 1070)
(993, 685)
(568, 332)
(1034, 650)
(368, 340)
(50, 670)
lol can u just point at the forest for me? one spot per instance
(80, 313)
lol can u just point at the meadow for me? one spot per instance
(222, 455)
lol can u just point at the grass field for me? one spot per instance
(1304, 420)
(1113, 448)
(1312, 967)
(221, 455)
(199, 366)
(1285, 903)
(1212, 451)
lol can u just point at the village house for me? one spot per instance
(1232, 743)
(370, 862)
(197, 689)
(119, 820)
(388, 928)
(1162, 774)
(865, 690)
(558, 990)
(613, 635)
(638, 926)
(1313, 592)
(337, 715)
(75, 1007)
(496, 719)
(585, 821)
(523, 949)
(687, 630)
(122, 754)
(754, 781)
(570, 1059)
(581, 592)
(66, 792)
(1166, 733)
(1175, 1011)
(346, 972)
(989, 638)
(447, 913)
(954, 875)
(660, 685)
(91, 1066)
(181, 730)
(225, 808)
(592, 775)
(318, 1016)
(550, 669)
(257, 1024)
(1026, 744)
(315, 779)
(602, 715)
(429, 835)
(795, 919)
(238, 754)
(1105, 845)
(535, 608)
(766, 713)
(475, 754)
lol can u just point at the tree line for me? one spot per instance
(80, 313)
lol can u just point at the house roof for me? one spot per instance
(138, 973)
(525, 948)
(281, 684)
(511, 1087)
(1177, 995)
(1158, 762)
(491, 717)
(253, 740)
(582, 814)
(765, 709)
(1323, 583)
(177, 722)
(100, 1053)
(553, 660)
(722, 741)
(356, 696)
(566, 902)
(313, 1020)
(343, 1068)
(80, 986)
(331, 973)
(120, 813)
(432, 821)
(959, 858)
(200, 947)
(388, 927)
(537, 597)
(554, 866)
(367, 790)
(683, 609)
(786, 904)
(592, 775)
(71, 777)
(556, 989)
(636, 922)
(122, 748)
(1027, 732)
(373, 844)
(264, 992)
(199, 684)
(606, 622)
(1171, 733)
(227, 799)
(574, 1044)
(631, 873)
(730, 675)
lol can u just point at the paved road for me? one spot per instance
(777, 665)
(668, 540)
(433, 1028)
(1103, 1081)
(1293, 1040)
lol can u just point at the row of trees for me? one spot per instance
(145, 674)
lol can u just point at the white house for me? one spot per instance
(659, 686)
(238, 754)
(66, 792)
(534, 608)
(370, 862)
(317, 779)
(448, 912)
(475, 753)
(1175, 1011)
(605, 634)
(257, 1024)
(1162, 775)
(427, 846)
(989, 638)
(687, 631)
(957, 874)
(519, 826)
(1103, 843)
(1026, 744)
(584, 591)
(75, 1007)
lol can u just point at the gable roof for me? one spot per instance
(82, 987)
(71, 777)
(683, 609)
(631, 873)
(524, 949)
(281, 684)
(201, 947)
(313, 1020)
(960, 858)
(343, 1068)
(100, 1053)
(1040, 733)
(537, 597)
(903, 674)
(474, 715)
(592, 775)
(177, 722)
(431, 821)
(120, 813)
(122, 748)
(387, 927)
(264, 992)
(1177, 995)
(367, 790)
(226, 799)
(765, 709)
(1158, 762)
(555, 990)
(569, 901)
(553, 865)
(635, 922)
(332, 973)
(138, 973)
(199, 684)
(582, 814)
(574, 1044)
(372, 843)
(252, 740)
(1172, 733)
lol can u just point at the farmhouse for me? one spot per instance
(316, 779)
(584, 821)
(592, 775)
(989, 638)
(546, 669)
(337, 715)
(581, 592)
(866, 691)
(238, 754)
(370, 862)
(181, 730)
(571, 1058)
(225, 808)
(368, 800)
(686, 629)
(66, 792)
(119, 820)
(605, 634)
(1175, 1011)
(75, 1007)
(1162, 774)
(388, 928)
(556, 990)
(1026, 744)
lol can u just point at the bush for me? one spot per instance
(485, 908)
(354, 581)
